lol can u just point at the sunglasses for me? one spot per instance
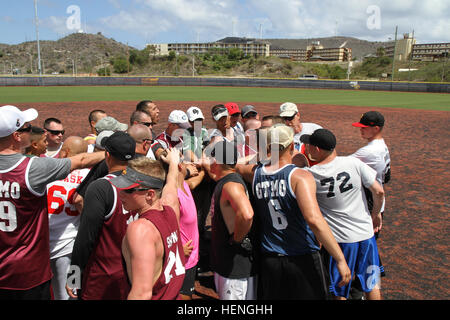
(56, 132)
(132, 190)
(145, 140)
(25, 128)
(147, 124)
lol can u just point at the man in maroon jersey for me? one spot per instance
(96, 252)
(152, 246)
(24, 236)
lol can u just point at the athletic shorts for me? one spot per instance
(188, 287)
(235, 289)
(293, 277)
(363, 260)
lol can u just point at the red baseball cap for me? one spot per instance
(232, 108)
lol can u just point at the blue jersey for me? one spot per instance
(284, 230)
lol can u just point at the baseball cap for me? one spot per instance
(180, 118)
(131, 178)
(219, 113)
(194, 113)
(120, 145)
(111, 124)
(12, 119)
(322, 138)
(101, 136)
(225, 152)
(370, 119)
(232, 108)
(246, 110)
(280, 134)
(288, 109)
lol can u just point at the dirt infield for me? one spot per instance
(414, 242)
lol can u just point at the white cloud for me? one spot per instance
(214, 19)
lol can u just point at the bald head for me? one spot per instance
(252, 124)
(139, 132)
(72, 146)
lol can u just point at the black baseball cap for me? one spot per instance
(120, 145)
(131, 178)
(370, 119)
(321, 138)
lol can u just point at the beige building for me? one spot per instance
(430, 51)
(402, 49)
(248, 46)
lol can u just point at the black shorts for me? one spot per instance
(189, 282)
(40, 292)
(293, 277)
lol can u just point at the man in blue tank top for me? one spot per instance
(291, 225)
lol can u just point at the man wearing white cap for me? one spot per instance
(291, 116)
(291, 225)
(24, 246)
(196, 137)
(172, 136)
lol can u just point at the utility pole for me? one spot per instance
(410, 57)
(444, 58)
(395, 52)
(37, 37)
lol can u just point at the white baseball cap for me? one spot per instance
(288, 109)
(194, 113)
(180, 118)
(12, 119)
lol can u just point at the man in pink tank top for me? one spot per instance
(152, 246)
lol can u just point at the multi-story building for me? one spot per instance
(314, 52)
(431, 51)
(402, 49)
(248, 46)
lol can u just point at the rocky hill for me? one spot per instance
(88, 52)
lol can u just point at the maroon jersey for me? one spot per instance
(169, 283)
(24, 235)
(105, 273)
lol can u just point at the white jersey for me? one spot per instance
(64, 219)
(307, 128)
(342, 199)
(376, 155)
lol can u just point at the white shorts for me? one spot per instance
(235, 289)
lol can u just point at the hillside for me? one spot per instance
(94, 54)
(89, 51)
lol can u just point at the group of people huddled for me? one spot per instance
(262, 202)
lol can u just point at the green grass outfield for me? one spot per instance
(409, 100)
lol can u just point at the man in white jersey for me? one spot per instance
(291, 116)
(63, 216)
(375, 154)
(341, 198)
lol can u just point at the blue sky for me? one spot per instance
(166, 21)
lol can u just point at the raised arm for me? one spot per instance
(86, 160)
(169, 195)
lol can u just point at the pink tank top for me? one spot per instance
(188, 224)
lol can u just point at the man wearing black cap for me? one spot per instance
(96, 256)
(341, 198)
(152, 247)
(375, 154)
(231, 253)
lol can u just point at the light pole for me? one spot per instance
(444, 58)
(37, 37)
(31, 62)
(73, 66)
